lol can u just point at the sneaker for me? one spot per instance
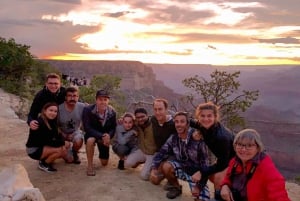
(168, 186)
(174, 192)
(46, 167)
(121, 165)
(76, 159)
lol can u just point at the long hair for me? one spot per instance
(208, 106)
(43, 115)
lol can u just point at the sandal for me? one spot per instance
(90, 172)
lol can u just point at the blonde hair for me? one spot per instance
(130, 115)
(164, 101)
(208, 106)
(52, 75)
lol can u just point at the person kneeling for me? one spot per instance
(190, 156)
(45, 143)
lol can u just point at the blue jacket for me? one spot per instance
(92, 124)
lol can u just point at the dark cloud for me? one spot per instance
(117, 14)
(211, 47)
(68, 1)
(45, 37)
(200, 37)
(118, 51)
(22, 20)
(287, 40)
(174, 15)
(180, 53)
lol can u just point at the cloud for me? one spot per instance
(287, 40)
(68, 1)
(169, 27)
(211, 47)
(117, 14)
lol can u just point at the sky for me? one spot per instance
(217, 32)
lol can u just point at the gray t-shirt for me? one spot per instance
(69, 122)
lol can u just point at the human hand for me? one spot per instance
(155, 176)
(34, 125)
(120, 121)
(196, 176)
(106, 139)
(67, 145)
(197, 135)
(226, 193)
(70, 137)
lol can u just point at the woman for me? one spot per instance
(218, 139)
(45, 144)
(251, 175)
(125, 139)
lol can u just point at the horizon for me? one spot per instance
(216, 33)
(188, 64)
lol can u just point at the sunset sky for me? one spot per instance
(157, 31)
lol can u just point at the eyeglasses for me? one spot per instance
(246, 146)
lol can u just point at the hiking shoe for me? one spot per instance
(168, 186)
(46, 167)
(174, 192)
(76, 159)
(121, 165)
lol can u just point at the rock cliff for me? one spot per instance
(135, 75)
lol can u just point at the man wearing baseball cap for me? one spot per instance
(99, 122)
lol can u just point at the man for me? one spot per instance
(146, 144)
(99, 122)
(69, 121)
(152, 134)
(162, 123)
(163, 126)
(189, 155)
(52, 92)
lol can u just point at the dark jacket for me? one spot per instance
(219, 140)
(162, 132)
(41, 98)
(43, 136)
(92, 125)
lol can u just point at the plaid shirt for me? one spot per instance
(191, 154)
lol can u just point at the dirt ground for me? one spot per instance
(70, 183)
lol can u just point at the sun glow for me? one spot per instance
(123, 35)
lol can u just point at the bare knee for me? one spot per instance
(167, 168)
(104, 162)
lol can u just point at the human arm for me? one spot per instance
(274, 182)
(220, 141)
(164, 152)
(226, 184)
(44, 136)
(34, 111)
(226, 193)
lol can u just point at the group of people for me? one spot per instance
(169, 147)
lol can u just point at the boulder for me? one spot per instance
(15, 185)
